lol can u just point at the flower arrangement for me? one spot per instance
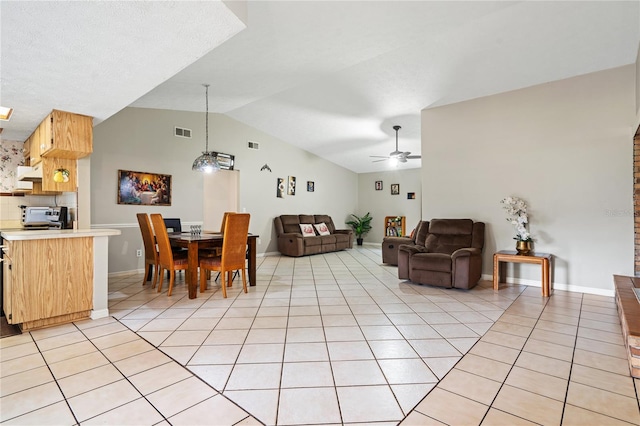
(517, 210)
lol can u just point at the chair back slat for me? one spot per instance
(150, 251)
(234, 245)
(162, 238)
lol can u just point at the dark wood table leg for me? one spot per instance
(252, 261)
(192, 272)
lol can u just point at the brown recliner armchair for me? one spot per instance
(451, 256)
(390, 245)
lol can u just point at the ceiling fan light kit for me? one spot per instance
(397, 156)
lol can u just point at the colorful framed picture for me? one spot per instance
(292, 186)
(378, 185)
(144, 188)
(411, 195)
(310, 186)
(395, 189)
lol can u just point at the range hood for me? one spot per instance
(22, 186)
(30, 174)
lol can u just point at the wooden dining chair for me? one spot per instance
(233, 256)
(215, 251)
(150, 248)
(167, 259)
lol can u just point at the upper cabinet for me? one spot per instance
(61, 135)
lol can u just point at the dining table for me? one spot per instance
(194, 242)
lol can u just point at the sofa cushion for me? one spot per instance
(326, 219)
(449, 235)
(307, 230)
(290, 223)
(313, 241)
(306, 218)
(431, 261)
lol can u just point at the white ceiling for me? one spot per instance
(331, 77)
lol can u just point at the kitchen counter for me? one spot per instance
(55, 276)
(41, 234)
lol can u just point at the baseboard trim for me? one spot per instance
(557, 286)
(102, 313)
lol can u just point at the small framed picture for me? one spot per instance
(411, 195)
(378, 185)
(310, 186)
(395, 189)
(292, 186)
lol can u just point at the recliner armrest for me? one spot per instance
(412, 249)
(466, 252)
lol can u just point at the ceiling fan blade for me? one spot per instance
(406, 153)
(378, 156)
(377, 161)
(414, 157)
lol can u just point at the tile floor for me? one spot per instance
(326, 339)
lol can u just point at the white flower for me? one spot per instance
(517, 210)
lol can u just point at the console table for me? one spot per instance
(542, 259)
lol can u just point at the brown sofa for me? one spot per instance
(390, 245)
(451, 255)
(292, 243)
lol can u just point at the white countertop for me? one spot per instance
(53, 233)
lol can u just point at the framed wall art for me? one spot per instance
(144, 188)
(280, 190)
(310, 186)
(395, 189)
(292, 186)
(378, 185)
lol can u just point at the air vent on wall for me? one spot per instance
(183, 133)
(253, 145)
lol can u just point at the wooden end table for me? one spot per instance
(543, 259)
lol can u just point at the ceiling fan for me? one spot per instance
(396, 156)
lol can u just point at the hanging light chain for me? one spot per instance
(206, 137)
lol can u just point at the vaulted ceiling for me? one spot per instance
(330, 77)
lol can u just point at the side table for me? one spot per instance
(543, 259)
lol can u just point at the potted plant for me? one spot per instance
(361, 225)
(518, 217)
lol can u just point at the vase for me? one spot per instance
(359, 241)
(523, 247)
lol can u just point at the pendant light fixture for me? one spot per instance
(208, 161)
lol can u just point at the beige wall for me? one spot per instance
(382, 203)
(142, 140)
(566, 148)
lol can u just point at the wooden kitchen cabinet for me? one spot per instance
(7, 281)
(48, 281)
(61, 135)
(66, 135)
(50, 165)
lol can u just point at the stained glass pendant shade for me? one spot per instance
(208, 161)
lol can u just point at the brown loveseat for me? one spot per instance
(451, 255)
(292, 243)
(390, 245)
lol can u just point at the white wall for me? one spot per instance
(565, 147)
(382, 203)
(142, 140)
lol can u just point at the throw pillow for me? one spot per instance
(307, 230)
(322, 228)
